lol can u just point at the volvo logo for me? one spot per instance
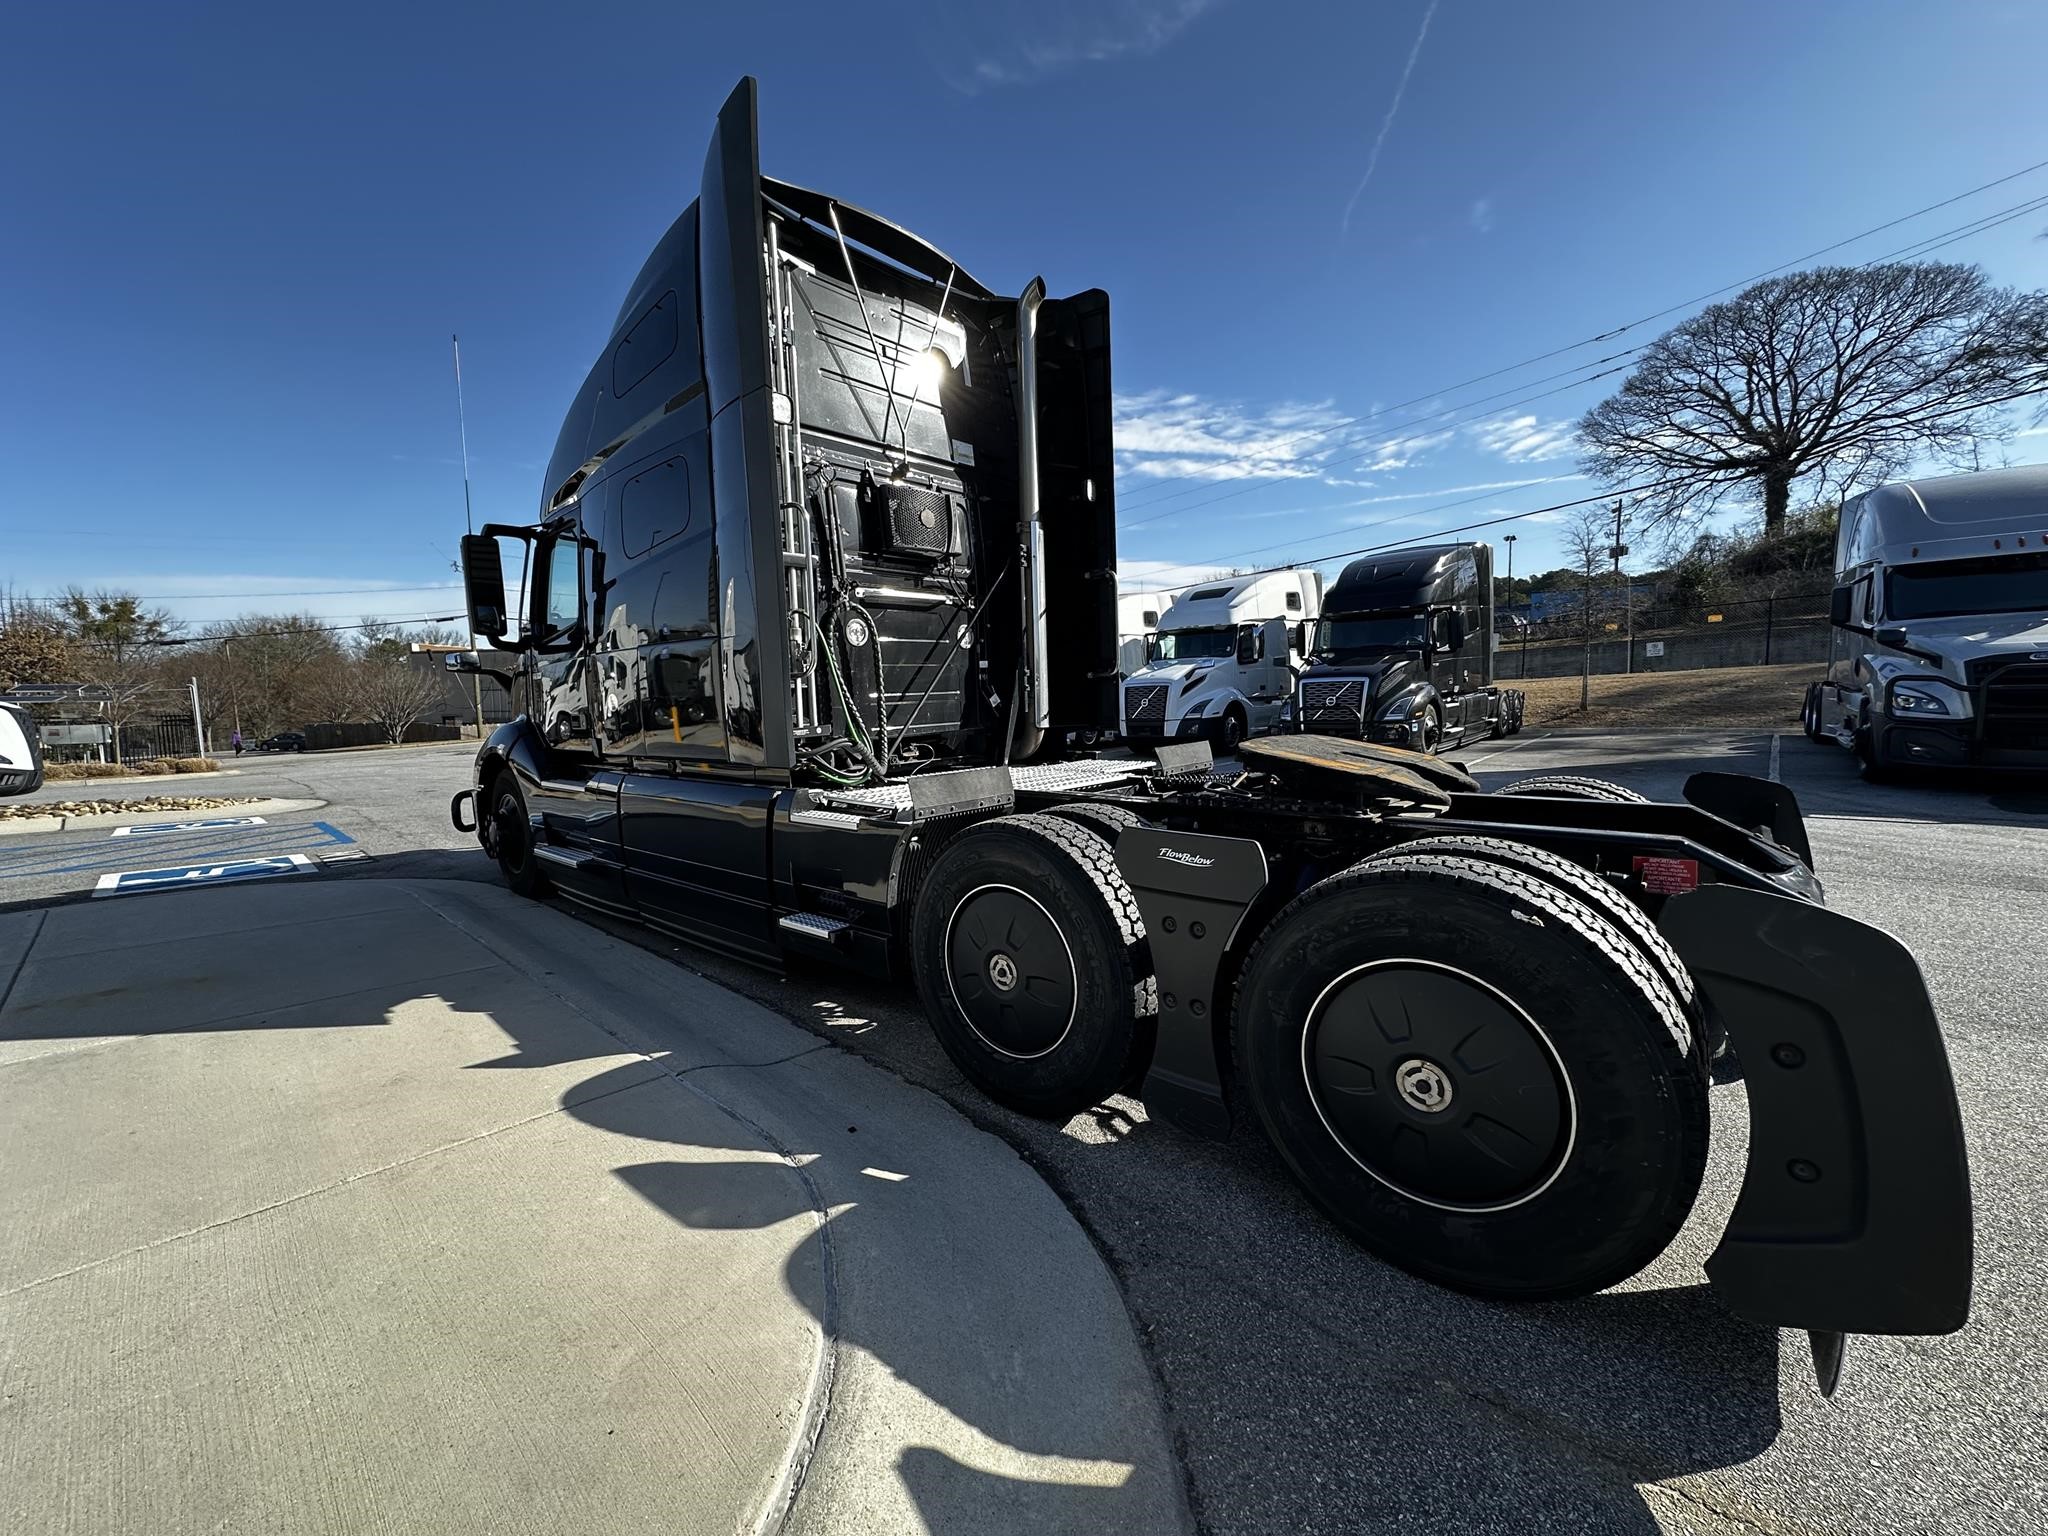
(1192, 860)
(1423, 1085)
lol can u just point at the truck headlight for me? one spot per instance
(1925, 697)
(1196, 710)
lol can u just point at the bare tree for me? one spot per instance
(392, 690)
(1587, 539)
(1838, 372)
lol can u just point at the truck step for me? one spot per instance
(810, 925)
(572, 858)
(816, 818)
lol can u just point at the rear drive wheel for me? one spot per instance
(1570, 786)
(1597, 893)
(1106, 821)
(511, 838)
(1031, 960)
(1476, 1074)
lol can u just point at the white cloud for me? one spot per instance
(1525, 439)
(1046, 41)
(201, 598)
(1481, 215)
(1372, 160)
(1164, 436)
(1161, 575)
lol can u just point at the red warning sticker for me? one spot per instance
(1668, 877)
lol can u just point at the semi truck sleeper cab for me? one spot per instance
(821, 583)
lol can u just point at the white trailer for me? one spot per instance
(1224, 660)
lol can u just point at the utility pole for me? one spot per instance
(1509, 539)
(198, 724)
(1618, 550)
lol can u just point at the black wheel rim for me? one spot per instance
(508, 823)
(1011, 971)
(1438, 1085)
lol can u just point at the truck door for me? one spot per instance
(696, 851)
(577, 798)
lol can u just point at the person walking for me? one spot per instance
(237, 739)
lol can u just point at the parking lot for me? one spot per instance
(1309, 1387)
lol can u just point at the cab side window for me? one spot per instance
(563, 589)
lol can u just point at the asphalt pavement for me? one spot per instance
(1310, 1388)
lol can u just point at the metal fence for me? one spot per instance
(1669, 636)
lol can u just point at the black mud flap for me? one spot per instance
(1756, 805)
(1193, 890)
(1854, 1215)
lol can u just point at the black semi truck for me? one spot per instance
(1403, 653)
(821, 584)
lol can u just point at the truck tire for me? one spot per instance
(1633, 922)
(1870, 753)
(1234, 730)
(511, 838)
(1106, 821)
(1570, 786)
(1475, 1074)
(1031, 959)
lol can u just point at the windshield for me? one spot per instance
(1367, 634)
(1190, 644)
(2012, 584)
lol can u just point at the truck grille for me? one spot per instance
(1333, 704)
(2014, 704)
(1145, 706)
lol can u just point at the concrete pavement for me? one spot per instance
(400, 1205)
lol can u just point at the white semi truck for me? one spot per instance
(1939, 652)
(1224, 661)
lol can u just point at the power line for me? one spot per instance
(1611, 333)
(208, 597)
(396, 621)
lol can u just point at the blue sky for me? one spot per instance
(234, 240)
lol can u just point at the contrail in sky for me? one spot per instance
(1372, 161)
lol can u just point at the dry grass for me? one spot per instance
(141, 768)
(34, 811)
(1722, 697)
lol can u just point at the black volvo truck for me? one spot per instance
(821, 585)
(1403, 653)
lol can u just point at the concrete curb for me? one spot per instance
(150, 778)
(25, 825)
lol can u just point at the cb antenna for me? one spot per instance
(462, 431)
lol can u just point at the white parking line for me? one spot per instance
(1520, 741)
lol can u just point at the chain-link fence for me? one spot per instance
(1665, 634)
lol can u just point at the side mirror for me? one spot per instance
(1247, 646)
(1298, 640)
(461, 661)
(1839, 602)
(483, 585)
(1151, 648)
(1454, 631)
(1892, 637)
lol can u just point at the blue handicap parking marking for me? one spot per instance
(178, 877)
(221, 840)
(217, 824)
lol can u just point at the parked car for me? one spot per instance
(283, 741)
